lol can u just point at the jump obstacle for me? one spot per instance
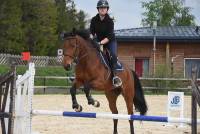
(24, 112)
(111, 116)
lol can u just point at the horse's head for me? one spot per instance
(70, 49)
(73, 43)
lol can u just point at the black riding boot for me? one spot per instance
(117, 82)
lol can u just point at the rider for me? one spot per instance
(102, 27)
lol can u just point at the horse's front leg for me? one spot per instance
(89, 97)
(75, 105)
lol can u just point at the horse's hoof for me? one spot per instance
(91, 102)
(79, 108)
(96, 103)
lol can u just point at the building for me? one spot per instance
(176, 47)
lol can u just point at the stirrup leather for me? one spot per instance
(117, 84)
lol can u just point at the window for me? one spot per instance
(189, 63)
(142, 67)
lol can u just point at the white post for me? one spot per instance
(24, 93)
(182, 109)
(59, 55)
(30, 95)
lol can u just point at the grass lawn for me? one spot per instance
(43, 71)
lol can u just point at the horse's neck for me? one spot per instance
(89, 52)
(90, 66)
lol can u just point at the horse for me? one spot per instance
(92, 74)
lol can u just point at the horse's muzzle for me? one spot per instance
(67, 67)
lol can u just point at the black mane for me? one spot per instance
(85, 34)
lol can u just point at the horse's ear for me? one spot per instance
(74, 31)
(62, 35)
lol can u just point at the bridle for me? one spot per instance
(74, 57)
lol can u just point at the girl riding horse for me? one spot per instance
(92, 74)
(102, 28)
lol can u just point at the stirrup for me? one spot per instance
(117, 84)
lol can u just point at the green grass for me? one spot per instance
(43, 71)
(4, 69)
(40, 71)
(52, 82)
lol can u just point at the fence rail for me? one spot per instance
(7, 101)
(156, 88)
(40, 61)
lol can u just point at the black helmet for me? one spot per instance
(102, 3)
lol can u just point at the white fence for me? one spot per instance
(23, 101)
(41, 61)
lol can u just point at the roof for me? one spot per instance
(166, 33)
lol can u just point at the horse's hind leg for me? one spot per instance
(128, 97)
(112, 98)
(89, 97)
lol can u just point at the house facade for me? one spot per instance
(174, 49)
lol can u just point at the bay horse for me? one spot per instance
(92, 74)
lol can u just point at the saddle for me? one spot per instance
(106, 59)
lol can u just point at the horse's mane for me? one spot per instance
(84, 33)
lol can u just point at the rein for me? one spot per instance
(74, 57)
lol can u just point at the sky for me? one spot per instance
(128, 13)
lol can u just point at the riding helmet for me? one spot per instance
(102, 3)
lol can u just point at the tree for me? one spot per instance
(81, 22)
(40, 25)
(11, 33)
(166, 13)
(61, 15)
(35, 25)
(68, 17)
(185, 17)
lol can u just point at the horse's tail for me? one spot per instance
(139, 100)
